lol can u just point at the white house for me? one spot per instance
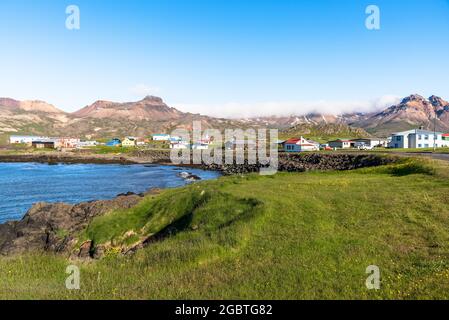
(417, 138)
(86, 144)
(299, 145)
(179, 145)
(200, 146)
(161, 137)
(175, 139)
(370, 142)
(25, 139)
(67, 142)
(341, 143)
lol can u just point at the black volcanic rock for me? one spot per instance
(53, 227)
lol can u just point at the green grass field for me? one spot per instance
(415, 150)
(111, 150)
(289, 236)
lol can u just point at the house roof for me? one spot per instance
(415, 131)
(296, 140)
(341, 140)
(370, 139)
(292, 141)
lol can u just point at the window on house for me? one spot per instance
(398, 138)
(426, 145)
(419, 137)
(426, 137)
(420, 145)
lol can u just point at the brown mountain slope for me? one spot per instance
(105, 119)
(150, 108)
(28, 106)
(31, 117)
(413, 111)
(324, 131)
(293, 120)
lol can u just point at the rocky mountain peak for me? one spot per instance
(413, 98)
(153, 99)
(438, 102)
(9, 103)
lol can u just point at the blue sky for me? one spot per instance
(225, 57)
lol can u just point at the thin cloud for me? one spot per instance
(288, 108)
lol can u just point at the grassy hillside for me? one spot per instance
(288, 236)
(323, 132)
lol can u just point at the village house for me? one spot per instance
(341, 144)
(161, 137)
(129, 142)
(44, 144)
(68, 143)
(175, 139)
(300, 145)
(25, 139)
(114, 143)
(86, 144)
(417, 138)
(179, 145)
(200, 146)
(370, 142)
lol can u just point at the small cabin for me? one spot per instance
(43, 144)
(161, 137)
(341, 144)
(129, 142)
(114, 143)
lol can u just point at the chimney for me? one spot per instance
(421, 127)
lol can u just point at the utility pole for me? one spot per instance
(434, 129)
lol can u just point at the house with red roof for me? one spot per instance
(300, 145)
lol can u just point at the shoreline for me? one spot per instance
(79, 158)
(289, 162)
(33, 233)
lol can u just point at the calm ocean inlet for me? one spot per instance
(23, 184)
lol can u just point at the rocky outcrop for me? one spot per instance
(188, 176)
(141, 156)
(67, 158)
(297, 162)
(52, 227)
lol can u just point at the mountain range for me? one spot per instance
(104, 119)
(412, 111)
